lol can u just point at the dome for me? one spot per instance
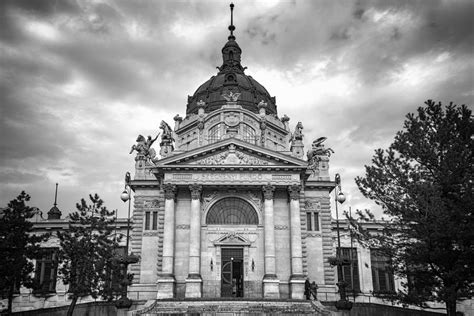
(54, 213)
(231, 77)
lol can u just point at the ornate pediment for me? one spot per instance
(232, 157)
(231, 152)
(232, 239)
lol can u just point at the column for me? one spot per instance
(166, 281)
(297, 278)
(271, 284)
(194, 281)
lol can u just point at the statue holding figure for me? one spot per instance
(143, 147)
(316, 153)
(166, 144)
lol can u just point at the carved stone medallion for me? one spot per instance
(232, 119)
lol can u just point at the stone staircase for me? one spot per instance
(227, 307)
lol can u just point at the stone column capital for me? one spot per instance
(268, 191)
(170, 191)
(294, 191)
(196, 190)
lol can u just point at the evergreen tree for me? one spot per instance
(17, 246)
(87, 251)
(424, 183)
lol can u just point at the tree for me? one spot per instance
(87, 251)
(17, 246)
(424, 183)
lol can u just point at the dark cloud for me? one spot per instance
(44, 8)
(10, 29)
(80, 80)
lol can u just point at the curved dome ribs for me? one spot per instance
(231, 77)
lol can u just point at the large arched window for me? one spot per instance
(232, 211)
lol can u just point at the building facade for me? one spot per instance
(232, 208)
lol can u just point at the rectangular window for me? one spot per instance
(350, 272)
(382, 274)
(147, 220)
(46, 271)
(151, 220)
(316, 221)
(309, 222)
(155, 221)
(312, 221)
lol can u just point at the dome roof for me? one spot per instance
(54, 213)
(211, 91)
(231, 77)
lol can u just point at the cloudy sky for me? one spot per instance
(79, 80)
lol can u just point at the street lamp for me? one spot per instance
(343, 303)
(124, 301)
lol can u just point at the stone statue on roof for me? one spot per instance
(143, 147)
(231, 96)
(166, 144)
(298, 133)
(316, 153)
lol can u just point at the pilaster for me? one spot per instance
(297, 279)
(166, 280)
(194, 280)
(271, 284)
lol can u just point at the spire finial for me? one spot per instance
(231, 26)
(56, 195)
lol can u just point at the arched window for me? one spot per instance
(232, 211)
(248, 134)
(214, 134)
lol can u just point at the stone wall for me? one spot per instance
(368, 309)
(90, 309)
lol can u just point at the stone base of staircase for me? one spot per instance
(227, 307)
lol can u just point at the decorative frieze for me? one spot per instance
(196, 190)
(281, 227)
(294, 191)
(170, 191)
(182, 176)
(217, 177)
(183, 226)
(281, 177)
(151, 204)
(213, 120)
(151, 233)
(268, 191)
(311, 205)
(250, 121)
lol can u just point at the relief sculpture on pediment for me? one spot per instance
(231, 158)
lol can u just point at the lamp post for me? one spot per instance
(124, 301)
(343, 303)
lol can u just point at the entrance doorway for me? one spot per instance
(232, 276)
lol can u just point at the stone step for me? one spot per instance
(230, 307)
